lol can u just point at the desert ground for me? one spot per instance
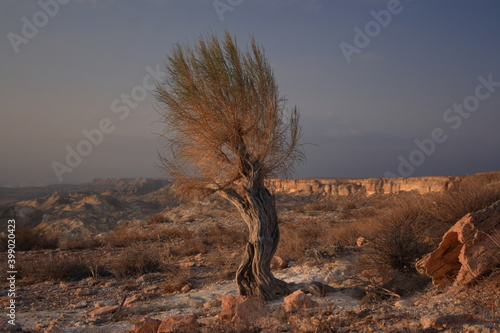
(125, 255)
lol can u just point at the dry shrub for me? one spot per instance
(58, 268)
(395, 243)
(413, 225)
(187, 247)
(122, 237)
(325, 205)
(176, 282)
(28, 239)
(316, 238)
(139, 259)
(158, 218)
(470, 195)
(75, 243)
(483, 298)
(220, 235)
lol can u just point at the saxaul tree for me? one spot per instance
(227, 129)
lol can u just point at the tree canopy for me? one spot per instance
(226, 123)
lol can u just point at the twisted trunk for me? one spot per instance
(257, 208)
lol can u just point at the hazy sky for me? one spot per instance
(385, 88)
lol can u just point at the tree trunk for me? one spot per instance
(254, 277)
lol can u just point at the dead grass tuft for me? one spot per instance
(139, 259)
(58, 268)
(28, 239)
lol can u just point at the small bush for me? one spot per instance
(78, 243)
(315, 238)
(396, 242)
(28, 239)
(56, 268)
(175, 283)
(470, 195)
(139, 259)
(157, 219)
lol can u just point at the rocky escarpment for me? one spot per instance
(369, 186)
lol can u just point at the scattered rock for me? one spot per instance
(354, 292)
(149, 277)
(403, 304)
(277, 262)
(468, 250)
(103, 311)
(179, 324)
(241, 309)
(361, 241)
(64, 285)
(146, 325)
(298, 300)
(187, 287)
(477, 329)
(110, 284)
(84, 292)
(100, 304)
(212, 303)
(151, 289)
(440, 322)
(134, 298)
(79, 305)
(53, 329)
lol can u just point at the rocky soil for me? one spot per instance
(93, 304)
(200, 243)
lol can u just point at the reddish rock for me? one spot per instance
(447, 321)
(277, 262)
(105, 310)
(53, 329)
(134, 298)
(298, 300)
(187, 287)
(241, 308)
(84, 292)
(468, 250)
(361, 241)
(146, 325)
(179, 324)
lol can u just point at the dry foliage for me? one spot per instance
(316, 238)
(139, 259)
(57, 268)
(30, 239)
(223, 112)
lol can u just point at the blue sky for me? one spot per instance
(385, 110)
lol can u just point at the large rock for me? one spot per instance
(278, 262)
(468, 250)
(241, 309)
(179, 324)
(146, 325)
(298, 300)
